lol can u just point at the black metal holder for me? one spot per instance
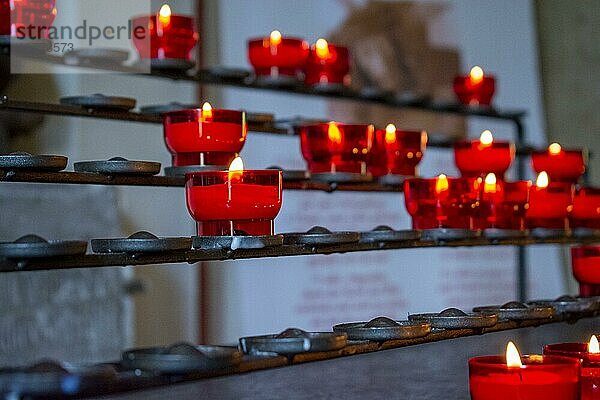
(194, 256)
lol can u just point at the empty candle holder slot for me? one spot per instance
(181, 358)
(293, 341)
(453, 318)
(382, 328)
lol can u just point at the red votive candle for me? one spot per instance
(540, 378)
(590, 368)
(475, 88)
(441, 202)
(165, 35)
(533, 377)
(234, 201)
(204, 136)
(477, 158)
(560, 164)
(276, 56)
(25, 13)
(585, 261)
(327, 64)
(397, 152)
(502, 205)
(335, 147)
(549, 204)
(586, 208)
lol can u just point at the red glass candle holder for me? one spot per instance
(549, 206)
(585, 261)
(277, 56)
(227, 203)
(164, 37)
(202, 137)
(397, 152)
(335, 147)
(540, 377)
(586, 208)
(327, 64)
(590, 368)
(25, 13)
(475, 89)
(450, 203)
(561, 165)
(476, 159)
(504, 207)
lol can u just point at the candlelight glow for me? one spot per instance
(476, 75)
(322, 48)
(206, 110)
(236, 170)
(334, 134)
(275, 38)
(165, 14)
(490, 183)
(593, 346)
(513, 358)
(542, 180)
(486, 138)
(390, 134)
(441, 184)
(554, 149)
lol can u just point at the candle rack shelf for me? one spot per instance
(67, 177)
(126, 380)
(284, 127)
(224, 254)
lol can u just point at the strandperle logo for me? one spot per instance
(84, 31)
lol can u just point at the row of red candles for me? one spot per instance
(170, 36)
(566, 371)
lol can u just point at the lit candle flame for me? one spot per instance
(207, 111)
(165, 14)
(476, 75)
(322, 48)
(593, 346)
(542, 180)
(275, 38)
(486, 138)
(390, 134)
(554, 149)
(513, 358)
(441, 184)
(490, 183)
(334, 134)
(236, 169)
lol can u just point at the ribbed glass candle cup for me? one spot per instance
(475, 93)
(442, 203)
(562, 166)
(505, 207)
(284, 57)
(585, 261)
(335, 147)
(172, 38)
(540, 377)
(397, 152)
(26, 13)
(549, 206)
(225, 203)
(590, 366)
(329, 67)
(586, 208)
(201, 137)
(474, 159)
